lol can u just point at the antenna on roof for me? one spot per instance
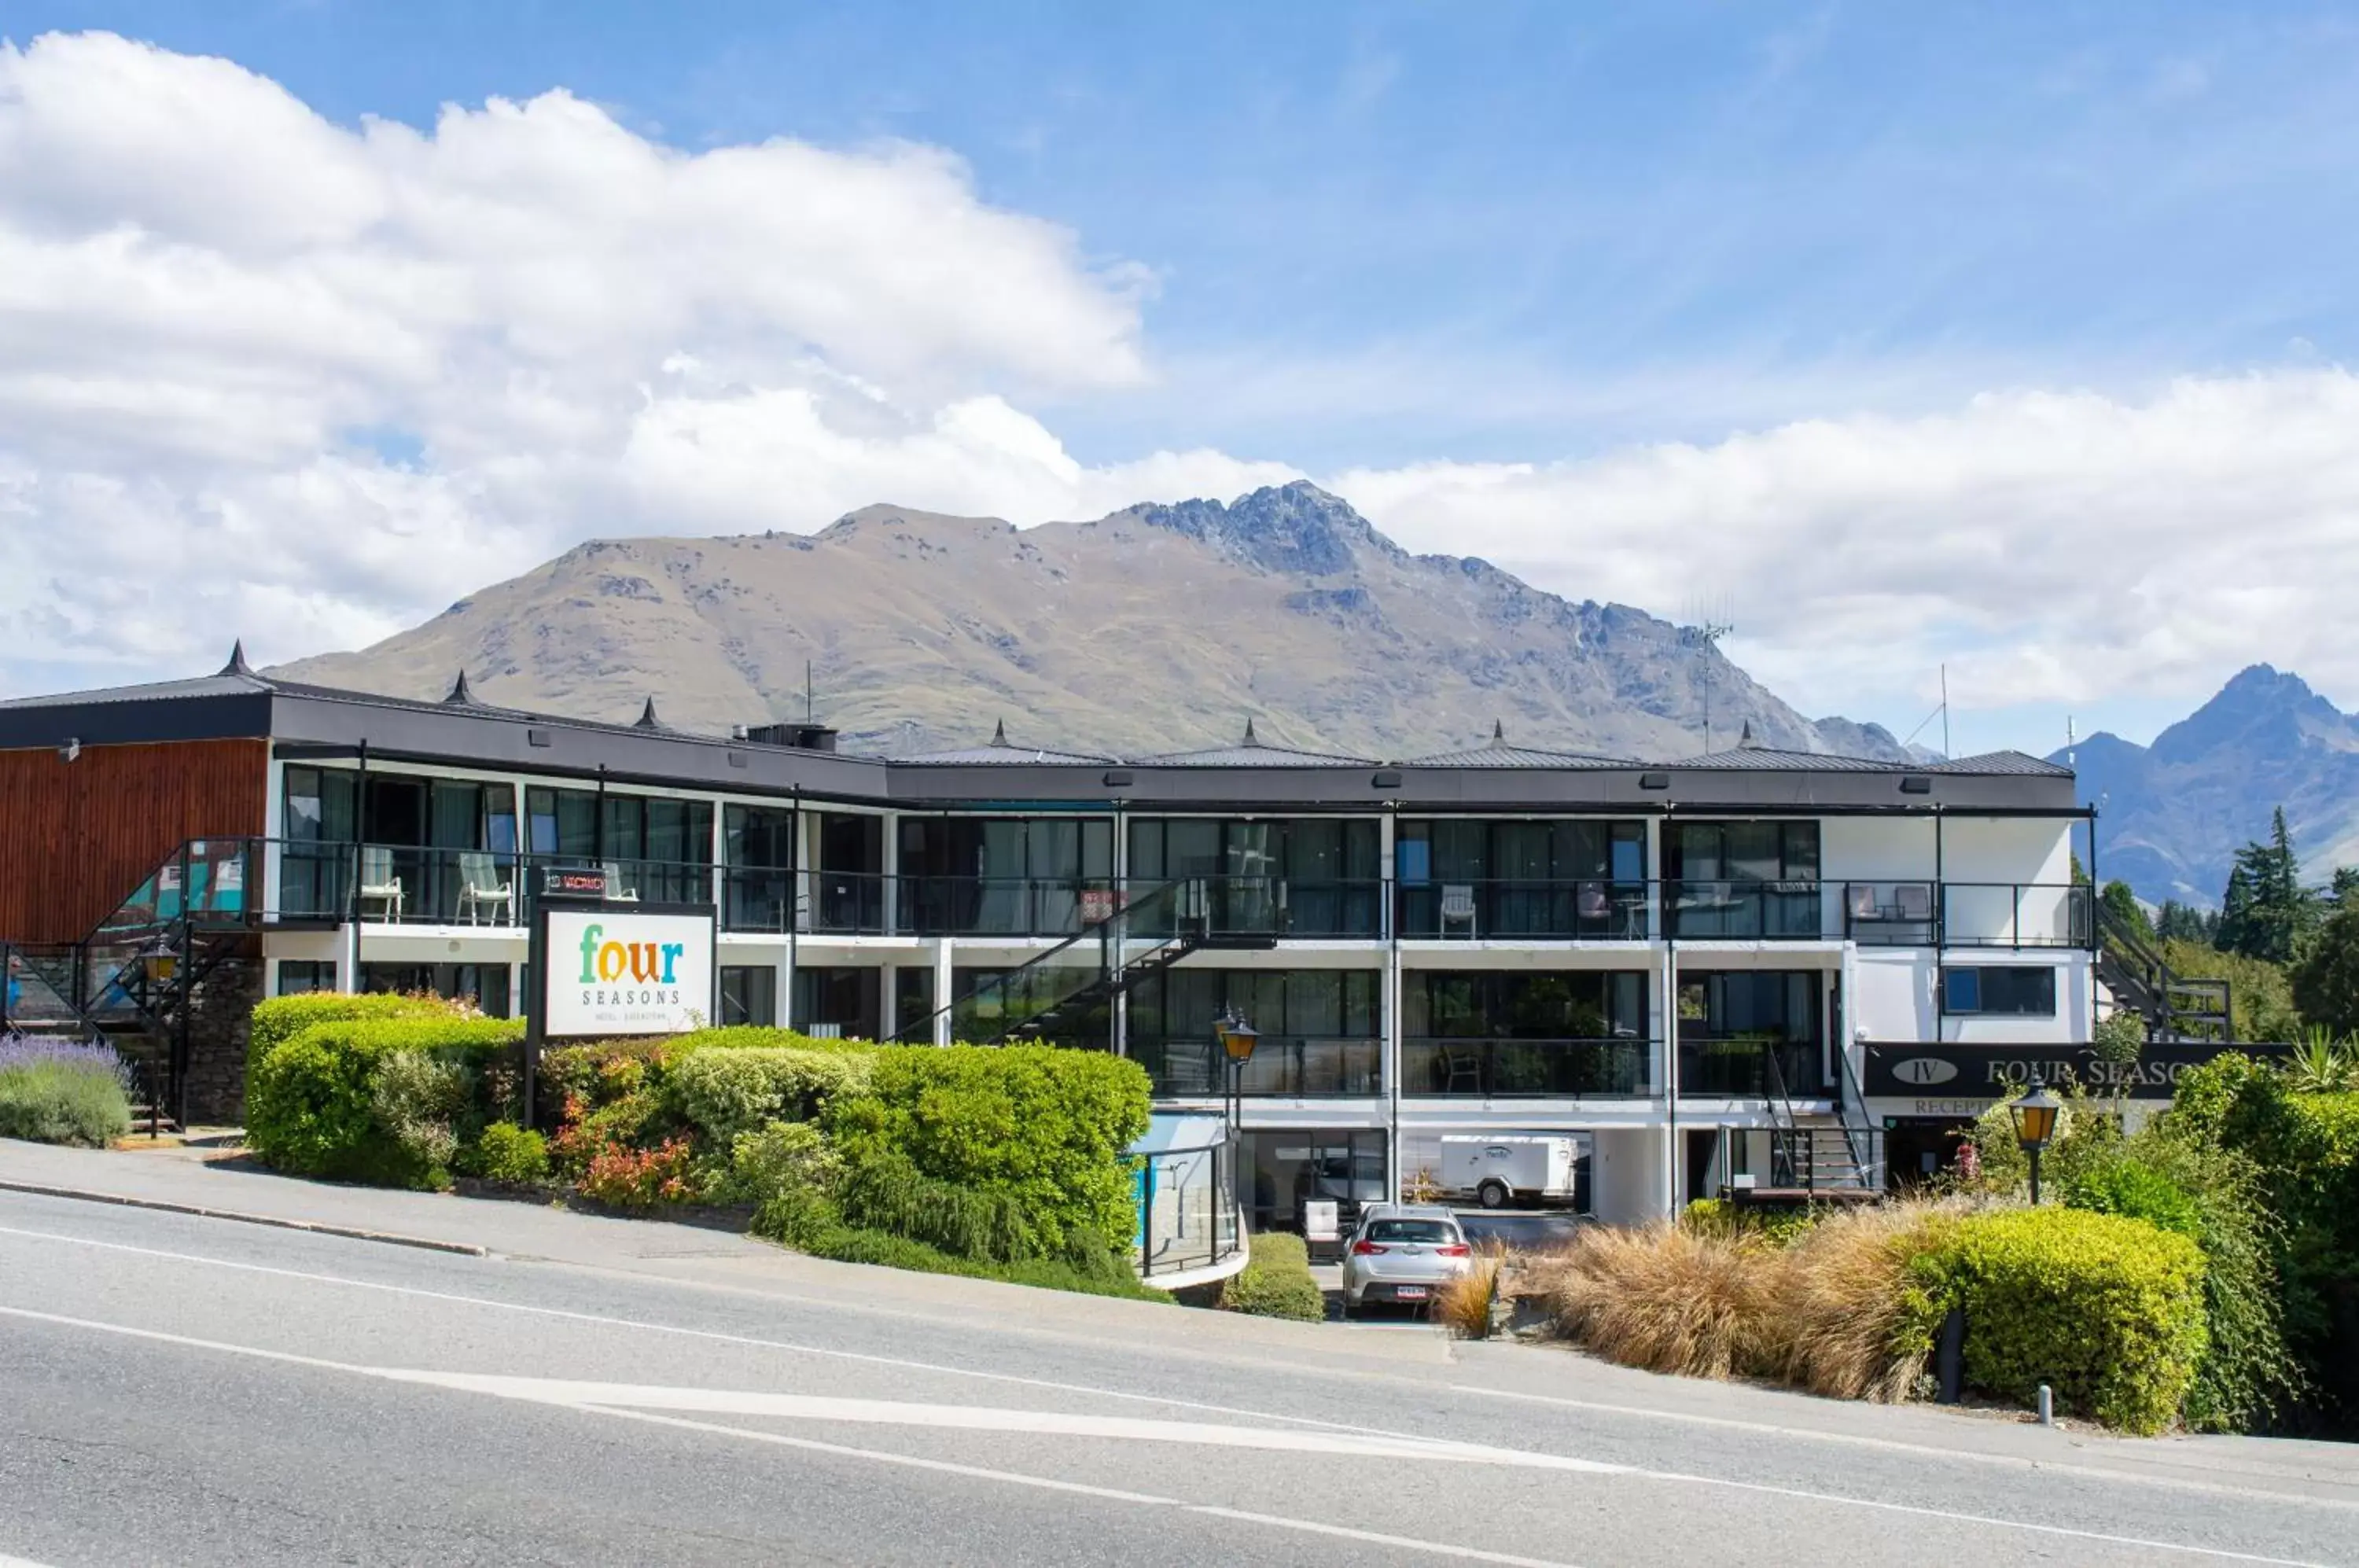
(1705, 634)
(2071, 744)
(1946, 752)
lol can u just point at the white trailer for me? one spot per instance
(1527, 1169)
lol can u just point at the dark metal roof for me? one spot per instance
(1002, 753)
(153, 692)
(1497, 755)
(2012, 762)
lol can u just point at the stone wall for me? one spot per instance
(218, 1020)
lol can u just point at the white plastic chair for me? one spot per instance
(1458, 907)
(481, 888)
(378, 881)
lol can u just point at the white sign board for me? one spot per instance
(613, 971)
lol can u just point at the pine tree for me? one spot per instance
(2122, 905)
(2266, 912)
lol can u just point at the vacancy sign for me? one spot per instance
(611, 971)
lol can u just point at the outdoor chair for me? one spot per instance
(1458, 907)
(1462, 1071)
(1914, 900)
(379, 883)
(1590, 904)
(481, 889)
(617, 892)
(1861, 897)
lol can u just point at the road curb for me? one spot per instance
(317, 1227)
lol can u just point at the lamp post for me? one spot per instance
(2035, 1125)
(1237, 1039)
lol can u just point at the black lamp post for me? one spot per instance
(1237, 1039)
(2035, 1116)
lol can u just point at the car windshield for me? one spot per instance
(1412, 1230)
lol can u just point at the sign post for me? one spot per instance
(603, 967)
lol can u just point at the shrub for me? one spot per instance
(722, 1092)
(783, 1159)
(2108, 1312)
(312, 1106)
(640, 1178)
(416, 1098)
(884, 1192)
(1047, 1128)
(54, 1091)
(506, 1153)
(1464, 1302)
(2135, 1190)
(1666, 1299)
(1276, 1281)
(757, 1037)
(1852, 1321)
(2304, 1151)
(280, 1020)
(2119, 1037)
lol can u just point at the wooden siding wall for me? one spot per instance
(77, 837)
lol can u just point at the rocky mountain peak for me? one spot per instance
(2263, 711)
(1297, 529)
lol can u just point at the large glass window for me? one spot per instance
(758, 841)
(1743, 879)
(749, 994)
(838, 1001)
(659, 848)
(1509, 1032)
(1287, 1169)
(1319, 1029)
(485, 984)
(1752, 1031)
(1002, 876)
(1297, 876)
(319, 816)
(1997, 990)
(1563, 877)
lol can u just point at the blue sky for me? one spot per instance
(1370, 237)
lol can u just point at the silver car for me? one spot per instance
(1402, 1253)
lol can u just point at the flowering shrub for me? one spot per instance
(59, 1091)
(640, 1178)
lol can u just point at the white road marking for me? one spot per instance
(2057, 1466)
(600, 1320)
(545, 1392)
(615, 1400)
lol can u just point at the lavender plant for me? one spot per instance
(55, 1090)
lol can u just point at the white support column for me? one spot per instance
(1668, 1067)
(1391, 1068)
(943, 971)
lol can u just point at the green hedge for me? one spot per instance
(1276, 1281)
(280, 1019)
(722, 1093)
(1047, 1128)
(313, 1104)
(2107, 1312)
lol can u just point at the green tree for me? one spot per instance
(2185, 922)
(2345, 891)
(2122, 905)
(2326, 981)
(2266, 914)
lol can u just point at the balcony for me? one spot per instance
(1967, 914)
(1751, 1069)
(1281, 1066)
(1744, 911)
(1619, 1069)
(1584, 910)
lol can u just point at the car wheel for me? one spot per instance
(1492, 1194)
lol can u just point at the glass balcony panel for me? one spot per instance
(1535, 1069)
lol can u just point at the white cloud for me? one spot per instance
(262, 374)
(2049, 547)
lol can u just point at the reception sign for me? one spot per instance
(620, 971)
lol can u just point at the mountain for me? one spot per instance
(1156, 629)
(2171, 816)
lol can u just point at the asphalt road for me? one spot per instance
(181, 1390)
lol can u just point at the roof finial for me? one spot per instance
(460, 694)
(237, 664)
(1499, 731)
(999, 733)
(1250, 738)
(647, 720)
(1746, 738)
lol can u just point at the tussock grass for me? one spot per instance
(1666, 1299)
(1854, 1325)
(1464, 1304)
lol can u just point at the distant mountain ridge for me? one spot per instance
(1154, 630)
(2172, 815)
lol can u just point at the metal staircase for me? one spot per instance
(2175, 1008)
(1820, 1160)
(1055, 998)
(139, 978)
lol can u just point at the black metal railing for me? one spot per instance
(1187, 1216)
(1281, 1066)
(1750, 1069)
(1593, 909)
(1765, 911)
(1619, 1068)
